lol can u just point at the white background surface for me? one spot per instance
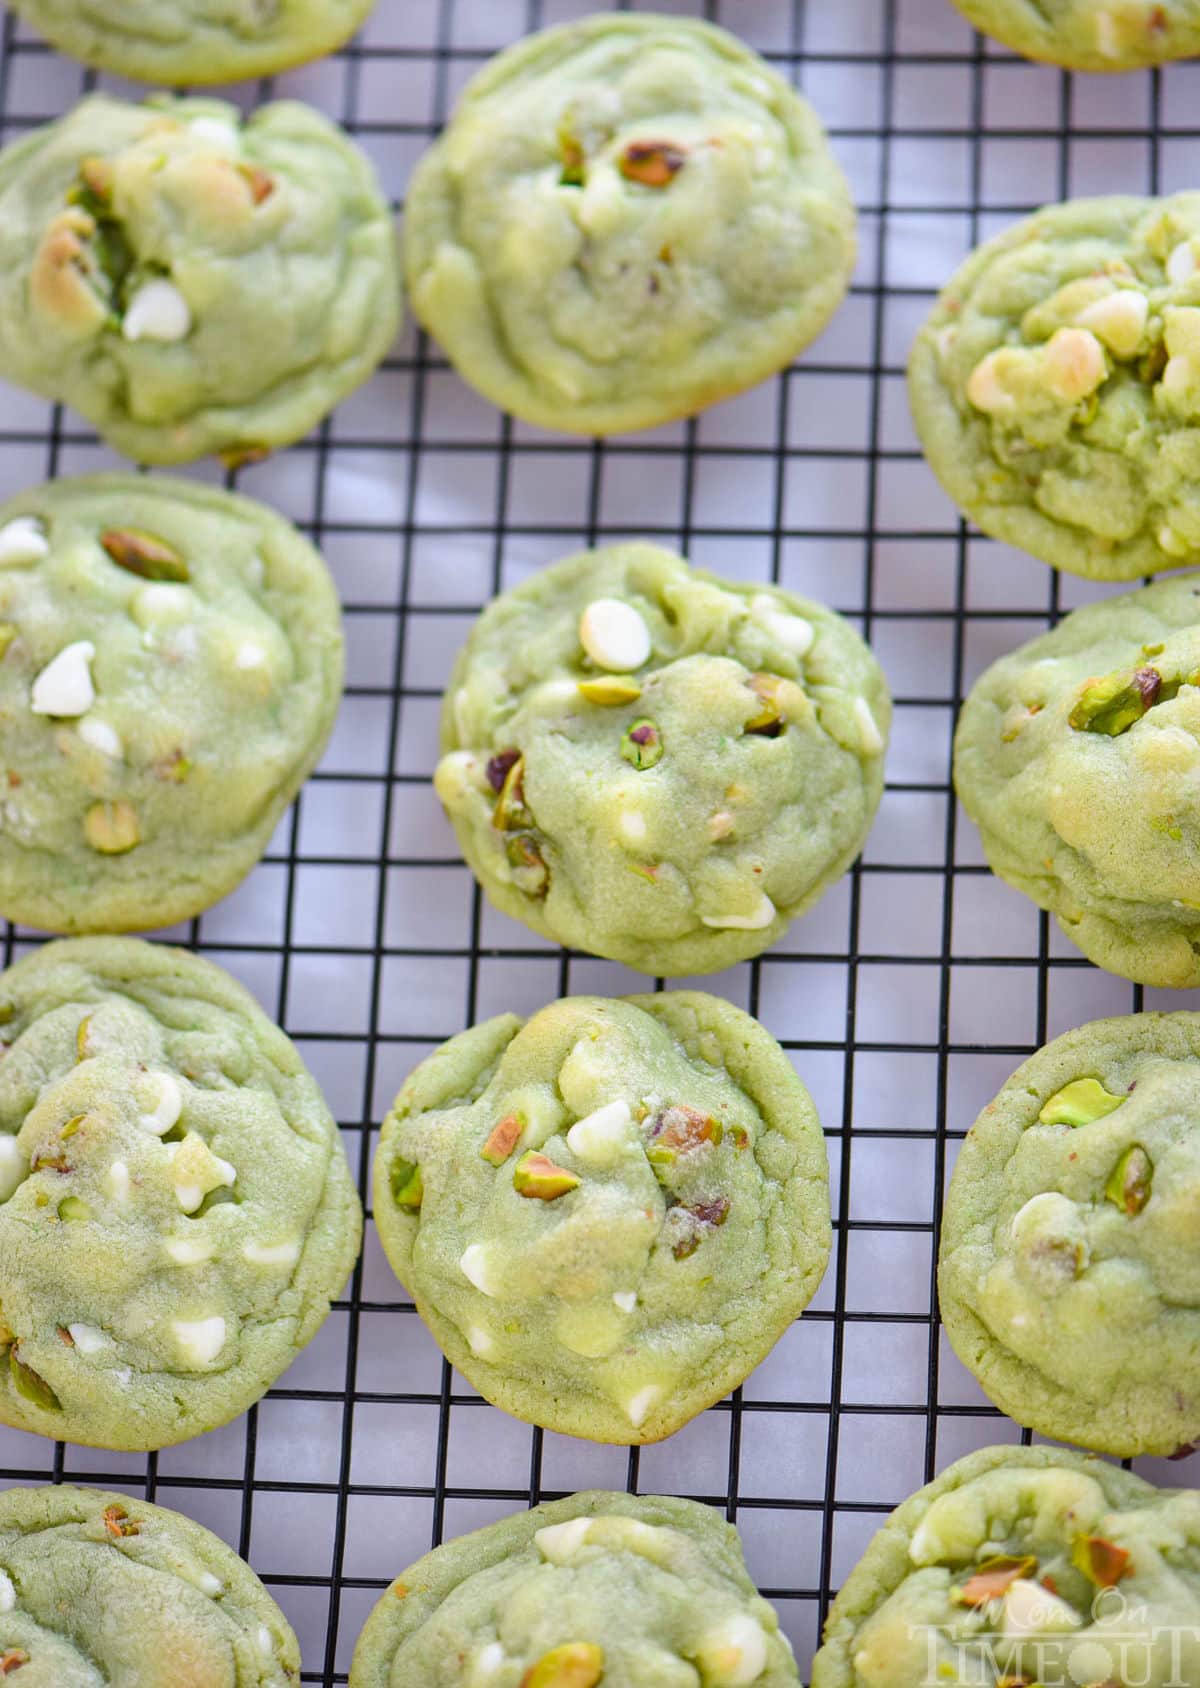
(905, 999)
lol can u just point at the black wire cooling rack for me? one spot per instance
(905, 999)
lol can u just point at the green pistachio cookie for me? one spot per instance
(1021, 1566)
(191, 282)
(1070, 1264)
(656, 765)
(176, 41)
(176, 1212)
(1077, 758)
(627, 1591)
(1056, 386)
(607, 1214)
(1091, 34)
(99, 1589)
(627, 219)
(170, 669)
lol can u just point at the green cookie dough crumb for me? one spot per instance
(1096, 818)
(638, 1591)
(195, 41)
(191, 282)
(622, 1205)
(679, 821)
(1056, 386)
(1092, 34)
(172, 676)
(627, 219)
(176, 1212)
(1021, 1566)
(1069, 1274)
(103, 1588)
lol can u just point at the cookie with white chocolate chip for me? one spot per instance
(627, 219)
(195, 41)
(1020, 1566)
(1070, 1270)
(176, 1211)
(609, 1214)
(1056, 386)
(644, 1591)
(191, 282)
(170, 669)
(1091, 34)
(1076, 756)
(105, 1588)
(656, 765)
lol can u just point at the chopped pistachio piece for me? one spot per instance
(28, 1383)
(609, 690)
(530, 873)
(112, 828)
(1111, 705)
(407, 1184)
(1129, 1184)
(511, 811)
(503, 1138)
(144, 554)
(1081, 1102)
(260, 183)
(654, 164)
(991, 1580)
(536, 1175)
(73, 1208)
(1102, 1562)
(642, 745)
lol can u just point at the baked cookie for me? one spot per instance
(194, 41)
(1070, 1262)
(627, 219)
(190, 282)
(170, 669)
(102, 1588)
(1056, 386)
(609, 1214)
(1077, 756)
(1091, 34)
(653, 764)
(176, 1211)
(1020, 1565)
(641, 1591)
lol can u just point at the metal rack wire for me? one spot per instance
(905, 999)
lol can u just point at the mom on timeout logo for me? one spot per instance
(1123, 1647)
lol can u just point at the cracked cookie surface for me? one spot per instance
(1056, 385)
(609, 1214)
(1076, 756)
(100, 1589)
(636, 1591)
(176, 1211)
(656, 765)
(170, 670)
(193, 282)
(1070, 1272)
(627, 219)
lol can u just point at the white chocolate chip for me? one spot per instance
(480, 1342)
(64, 687)
(13, 1167)
(189, 1251)
(720, 825)
(781, 626)
(89, 1339)
(216, 132)
(100, 736)
(486, 1665)
(1030, 1609)
(1119, 320)
(118, 1181)
(475, 1267)
(633, 824)
(210, 1585)
(614, 635)
(266, 1641)
(162, 604)
(1182, 262)
(868, 728)
(272, 1254)
(8, 1592)
(157, 311)
(196, 1171)
(733, 1653)
(559, 1543)
(600, 1138)
(161, 1101)
(23, 541)
(638, 1405)
(249, 655)
(625, 1299)
(200, 1340)
(761, 917)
